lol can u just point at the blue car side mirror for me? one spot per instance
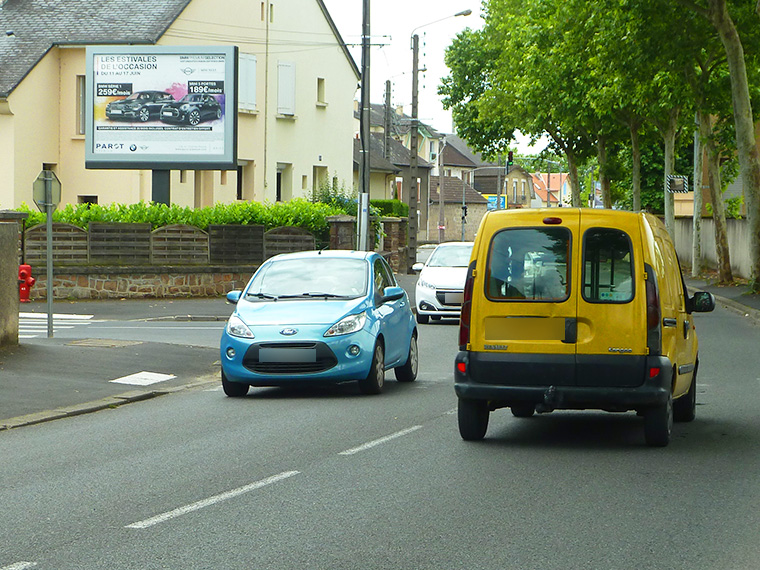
(233, 297)
(392, 294)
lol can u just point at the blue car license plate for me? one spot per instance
(287, 355)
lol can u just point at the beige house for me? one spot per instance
(297, 83)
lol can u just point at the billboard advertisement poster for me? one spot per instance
(161, 107)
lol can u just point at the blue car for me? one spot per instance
(319, 317)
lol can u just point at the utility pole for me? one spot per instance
(441, 201)
(363, 205)
(387, 121)
(413, 159)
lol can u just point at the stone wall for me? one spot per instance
(141, 282)
(9, 303)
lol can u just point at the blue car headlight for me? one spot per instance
(347, 325)
(236, 327)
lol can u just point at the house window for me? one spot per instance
(87, 199)
(514, 190)
(286, 88)
(321, 91)
(263, 11)
(239, 189)
(523, 190)
(247, 81)
(80, 102)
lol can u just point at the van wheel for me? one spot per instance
(658, 424)
(473, 419)
(523, 410)
(685, 407)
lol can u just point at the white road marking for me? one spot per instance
(19, 566)
(210, 501)
(32, 325)
(380, 441)
(62, 316)
(142, 379)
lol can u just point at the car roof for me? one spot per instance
(331, 253)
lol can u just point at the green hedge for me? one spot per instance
(298, 212)
(395, 208)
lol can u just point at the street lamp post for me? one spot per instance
(413, 142)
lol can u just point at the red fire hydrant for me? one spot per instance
(25, 282)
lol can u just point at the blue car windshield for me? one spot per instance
(317, 277)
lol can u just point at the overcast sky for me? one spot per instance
(391, 24)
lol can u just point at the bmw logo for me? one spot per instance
(133, 147)
(288, 332)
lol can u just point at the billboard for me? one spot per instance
(161, 107)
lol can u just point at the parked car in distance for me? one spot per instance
(319, 317)
(140, 105)
(192, 109)
(577, 308)
(440, 286)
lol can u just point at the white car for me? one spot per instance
(440, 287)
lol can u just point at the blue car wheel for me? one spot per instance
(234, 389)
(373, 383)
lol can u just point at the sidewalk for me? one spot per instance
(43, 379)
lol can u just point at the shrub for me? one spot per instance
(395, 208)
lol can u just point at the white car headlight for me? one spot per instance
(236, 327)
(423, 283)
(347, 325)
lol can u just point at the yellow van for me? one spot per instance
(576, 309)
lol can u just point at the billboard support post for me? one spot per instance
(161, 187)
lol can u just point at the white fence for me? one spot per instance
(738, 244)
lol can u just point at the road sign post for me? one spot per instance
(46, 192)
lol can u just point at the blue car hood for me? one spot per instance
(298, 312)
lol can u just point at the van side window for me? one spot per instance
(607, 266)
(529, 264)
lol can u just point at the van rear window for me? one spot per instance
(607, 266)
(529, 264)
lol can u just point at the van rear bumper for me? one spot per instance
(546, 396)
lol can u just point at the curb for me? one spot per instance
(102, 404)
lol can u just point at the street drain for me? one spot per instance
(104, 343)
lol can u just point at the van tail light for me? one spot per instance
(464, 319)
(653, 305)
(654, 327)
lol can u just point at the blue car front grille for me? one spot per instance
(325, 359)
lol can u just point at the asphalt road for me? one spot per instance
(330, 479)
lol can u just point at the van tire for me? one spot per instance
(523, 410)
(658, 424)
(473, 419)
(685, 407)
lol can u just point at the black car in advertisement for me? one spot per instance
(192, 109)
(140, 105)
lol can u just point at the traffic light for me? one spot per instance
(510, 158)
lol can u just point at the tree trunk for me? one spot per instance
(575, 186)
(636, 165)
(696, 218)
(749, 158)
(668, 134)
(716, 197)
(604, 179)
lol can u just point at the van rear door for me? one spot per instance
(611, 307)
(528, 307)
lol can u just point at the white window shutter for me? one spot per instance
(247, 81)
(286, 88)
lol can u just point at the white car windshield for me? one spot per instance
(451, 256)
(317, 277)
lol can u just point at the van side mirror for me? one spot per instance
(702, 302)
(417, 267)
